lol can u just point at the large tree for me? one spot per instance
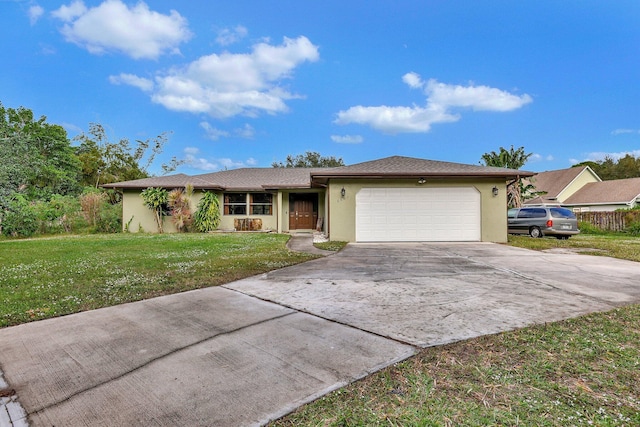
(512, 159)
(310, 159)
(105, 161)
(36, 158)
(608, 168)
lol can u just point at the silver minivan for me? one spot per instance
(539, 221)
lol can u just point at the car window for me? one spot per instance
(532, 213)
(511, 213)
(561, 213)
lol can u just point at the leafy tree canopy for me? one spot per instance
(310, 159)
(36, 158)
(104, 161)
(512, 158)
(608, 169)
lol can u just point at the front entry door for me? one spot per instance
(303, 211)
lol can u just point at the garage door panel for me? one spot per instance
(418, 214)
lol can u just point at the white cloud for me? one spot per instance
(193, 160)
(624, 131)
(135, 31)
(396, 119)
(213, 133)
(228, 84)
(246, 132)
(347, 139)
(69, 13)
(413, 80)
(231, 164)
(35, 13)
(227, 36)
(441, 99)
(141, 83)
(479, 98)
(535, 157)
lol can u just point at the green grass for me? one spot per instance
(48, 277)
(583, 371)
(331, 246)
(618, 245)
(578, 372)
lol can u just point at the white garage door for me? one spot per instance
(418, 214)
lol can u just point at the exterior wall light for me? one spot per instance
(343, 192)
(494, 191)
(422, 181)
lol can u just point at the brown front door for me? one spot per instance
(303, 211)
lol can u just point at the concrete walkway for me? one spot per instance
(303, 242)
(253, 350)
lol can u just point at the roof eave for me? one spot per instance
(423, 175)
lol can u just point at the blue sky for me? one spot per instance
(245, 83)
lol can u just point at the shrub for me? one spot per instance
(588, 228)
(20, 218)
(633, 228)
(179, 202)
(110, 219)
(156, 199)
(92, 203)
(207, 217)
(61, 214)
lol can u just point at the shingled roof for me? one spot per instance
(402, 167)
(553, 182)
(619, 191)
(261, 179)
(171, 181)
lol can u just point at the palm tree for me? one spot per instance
(512, 159)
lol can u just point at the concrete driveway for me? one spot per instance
(255, 349)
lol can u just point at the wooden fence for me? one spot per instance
(609, 221)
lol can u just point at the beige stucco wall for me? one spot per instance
(269, 222)
(143, 220)
(342, 217)
(585, 177)
(141, 217)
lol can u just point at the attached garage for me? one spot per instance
(418, 214)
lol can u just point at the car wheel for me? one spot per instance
(535, 232)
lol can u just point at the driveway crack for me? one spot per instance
(328, 319)
(155, 359)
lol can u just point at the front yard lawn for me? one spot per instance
(578, 372)
(617, 245)
(48, 277)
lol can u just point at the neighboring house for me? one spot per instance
(558, 185)
(391, 199)
(606, 196)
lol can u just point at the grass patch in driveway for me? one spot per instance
(579, 372)
(42, 278)
(619, 245)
